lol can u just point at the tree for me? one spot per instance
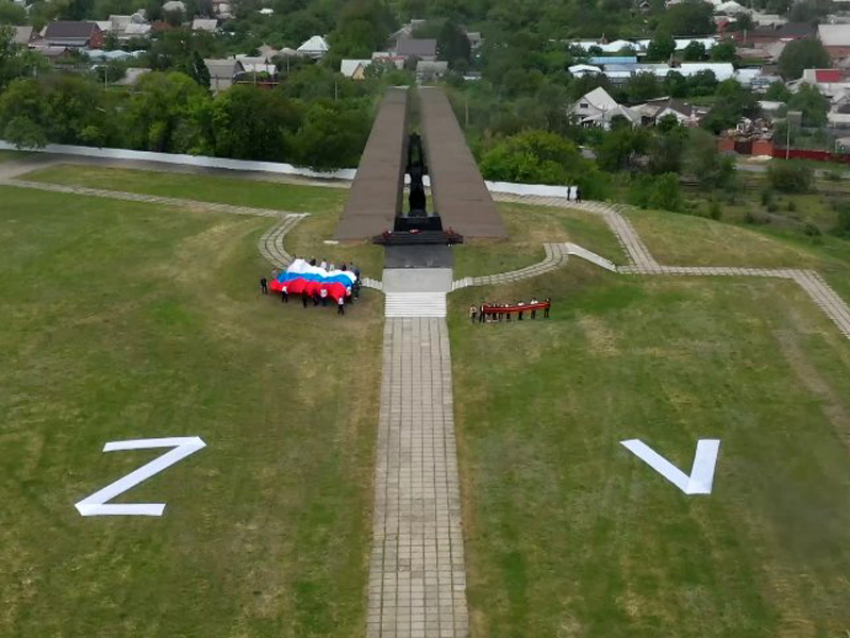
(799, 55)
(452, 44)
(777, 92)
(251, 123)
(659, 192)
(643, 86)
(704, 162)
(333, 135)
(724, 52)
(694, 52)
(789, 177)
(744, 22)
(812, 103)
(621, 147)
(160, 109)
(702, 83)
(363, 27)
(197, 70)
(691, 17)
(661, 47)
(11, 13)
(666, 147)
(675, 84)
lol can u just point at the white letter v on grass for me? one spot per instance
(702, 472)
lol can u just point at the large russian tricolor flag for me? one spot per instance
(302, 278)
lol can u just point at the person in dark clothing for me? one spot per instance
(534, 310)
(284, 295)
(546, 309)
(313, 261)
(520, 304)
(304, 299)
(507, 312)
(340, 306)
(578, 194)
(315, 299)
(264, 285)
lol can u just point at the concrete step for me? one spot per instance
(415, 304)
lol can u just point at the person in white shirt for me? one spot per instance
(323, 265)
(323, 293)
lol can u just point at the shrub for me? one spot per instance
(772, 207)
(833, 175)
(787, 177)
(755, 217)
(791, 206)
(843, 211)
(811, 229)
(661, 192)
(714, 210)
(766, 196)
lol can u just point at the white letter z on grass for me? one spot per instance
(702, 473)
(96, 504)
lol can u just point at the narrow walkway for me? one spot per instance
(271, 243)
(641, 261)
(417, 578)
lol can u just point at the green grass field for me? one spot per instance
(127, 320)
(571, 535)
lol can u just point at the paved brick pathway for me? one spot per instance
(417, 579)
(271, 243)
(641, 261)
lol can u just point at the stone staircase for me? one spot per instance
(415, 304)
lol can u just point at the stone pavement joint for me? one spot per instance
(417, 577)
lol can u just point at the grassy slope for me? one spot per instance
(570, 535)
(530, 227)
(124, 320)
(323, 204)
(206, 188)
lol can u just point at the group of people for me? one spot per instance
(318, 293)
(488, 312)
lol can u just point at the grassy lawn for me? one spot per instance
(688, 240)
(529, 228)
(323, 204)
(124, 320)
(571, 535)
(206, 188)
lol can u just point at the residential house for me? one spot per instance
(580, 70)
(354, 69)
(830, 82)
(767, 35)
(404, 32)
(22, 35)
(417, 48)
(316, 47)
(835, 39)
(222, 8)
(475, 40)
(134, 30)
(223, 73)
(653, 111)
(257, 64)
(73, 34)
(430, 71)
(598, 108)
(210, 25)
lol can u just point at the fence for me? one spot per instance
(201, 161)
(818, 156)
